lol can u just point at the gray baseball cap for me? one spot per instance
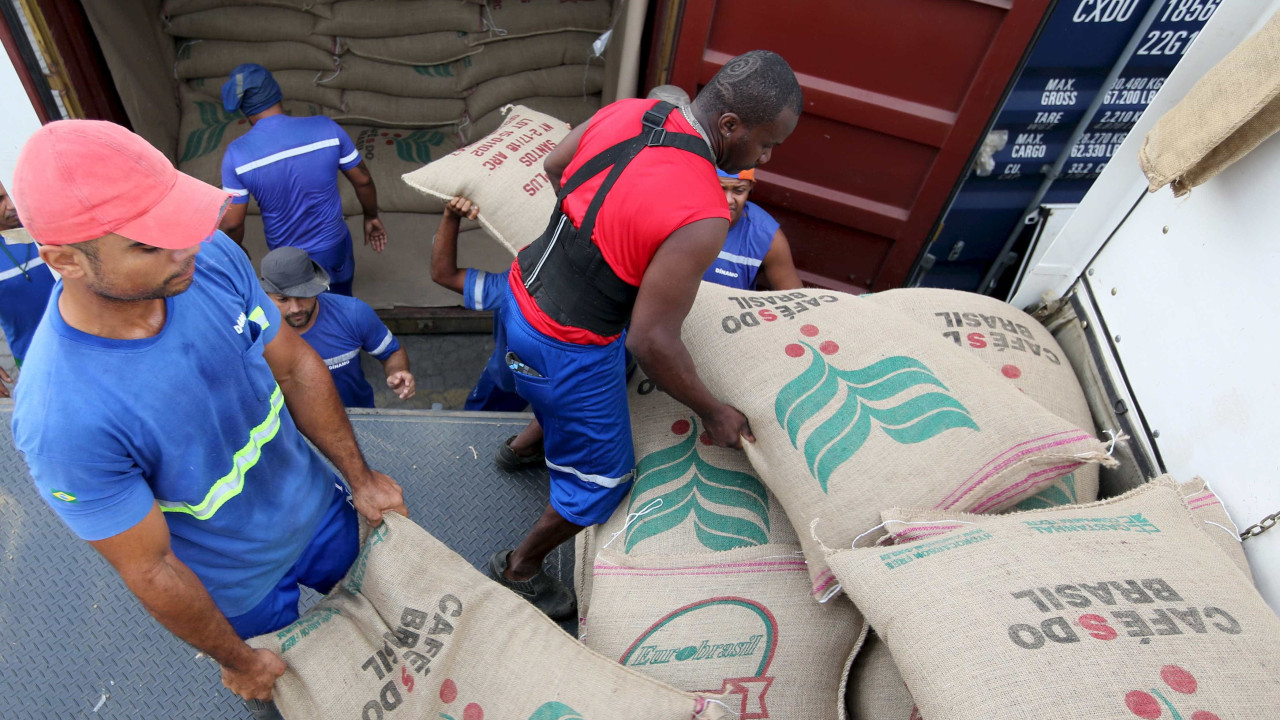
(289, 271)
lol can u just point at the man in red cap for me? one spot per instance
(165, 403)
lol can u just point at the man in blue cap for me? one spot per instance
(755, 244)
(290, 165)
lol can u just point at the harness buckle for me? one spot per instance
(657, 137)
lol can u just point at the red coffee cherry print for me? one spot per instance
(680, 427)
(795, 350)
(1178, 679)
(1011, 371)
(448, 691)
(809, 330)
(1142, 704)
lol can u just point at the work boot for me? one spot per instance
(507, 459)
(263, 709)
(545, 592)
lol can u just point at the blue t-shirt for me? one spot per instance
(25, 283)
(343, 327)
(745, 246)
(291, 166)
(488, 291)
(191, 418)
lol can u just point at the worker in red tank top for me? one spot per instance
(640, 218)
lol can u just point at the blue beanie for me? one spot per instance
(251, 89)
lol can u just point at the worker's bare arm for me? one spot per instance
(233, 222)
(176, 597)
(317, 411)
(375, 236)
(399, 379)
(444, 249)
(778, 266)
(667, 291)
(559, 158)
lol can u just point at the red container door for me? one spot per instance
(897, 94)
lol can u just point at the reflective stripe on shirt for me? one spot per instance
(382, 346)
(477, 290)
(339, 360)
(16, 271)
(285, 154)
(230, 485)
(753, 262)
(354, 154)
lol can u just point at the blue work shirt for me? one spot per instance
(343, 327)
(291, 165)
(25, 284)
(745, 246)
(495, 390)
(191, 418)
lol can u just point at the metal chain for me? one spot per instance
(1262, 526)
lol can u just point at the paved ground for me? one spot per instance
(444, 366)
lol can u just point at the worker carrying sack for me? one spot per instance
(1123, 608)
(739, 623)
(1020, 350)
(502, 173)
(856, 408)
(415, 633)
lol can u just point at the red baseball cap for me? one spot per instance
(77, 180)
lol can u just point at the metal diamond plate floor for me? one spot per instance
(75, 643)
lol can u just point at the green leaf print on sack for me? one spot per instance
(1062, 492)
(862, 395)
(687, 484)
(206, 138)
(416, 146)
(555, 711)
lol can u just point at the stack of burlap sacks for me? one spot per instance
(919, 398)
(410, 80)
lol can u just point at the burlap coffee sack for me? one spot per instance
(1014, 345)
(738, 622)
(856, 408)
(371, 108)
(183, 7)
(501, 19)
(1130, 594)
(426, 82)
(248, 24)
(425, 50)
(415, 630)
(876, 690)
(395, 18)
(296, 85)
(1203, 503)
(214, 58)
(502, 173)
(515, 55)
(389, 153)
(1230, 111)
(572, 110)
(689, 497)
(585, 548)
(564, 81)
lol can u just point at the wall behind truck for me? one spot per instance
(1182, 293)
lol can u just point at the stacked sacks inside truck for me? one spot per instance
(698, 579)
(876, 688)
(1135, 606)
(856, 408)
(1021, 350)
(414, 632)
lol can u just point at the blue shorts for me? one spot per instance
(581, 402)
(488, 394)
(323, 564)
(340, 262)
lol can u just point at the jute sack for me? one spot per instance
(876, 690)
(856, 408)
(1013, 344)
(394, 18)
(563, 81)
(1124, 607)
(508, 57)
(183, 7)
(689, 496)
(1206, 506)
(374, 108)
(249, 24)
(1229, 112)
(427, 49)
(212, 58)
(299, 85)
(585, 548)
(389, 153)
(502, 173)
(502, 19)
(415, 630)
(572, 110)
(739, 623)
(426, 82)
